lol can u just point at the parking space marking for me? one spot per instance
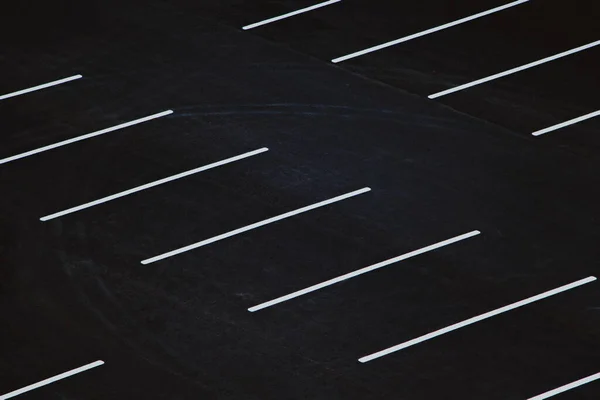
(51, 380)
(567, 123)
(153, 184)
(364, 270)
(476, 319)
(84, 137)
(565, 388)
(290, 14)
(256, 225)
(515, 70)
(428, 31)
(40, 87)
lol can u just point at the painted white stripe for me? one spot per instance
(427, 32)
(515, 70)
(363, 271)
(565, 388)
(255, 225)
(291, 14)
(51, 380)
(153, 184)
(476, 319)
(84, 137)
(567, 123)
(40, 87)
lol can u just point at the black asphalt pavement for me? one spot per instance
(73, 289)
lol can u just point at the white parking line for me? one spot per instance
(51, 380)
(363, 271)
(427, 32)
(40, 87)
(476, 319)
(255, 225)
(83, 137)
(153, 184)
(567, 123)
(515, 70)
(570, 386)
(290, 14)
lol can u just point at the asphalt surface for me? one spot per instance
(523, 102)
(73, 290)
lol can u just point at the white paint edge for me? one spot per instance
(515, 70)
(52, 380)
(565, 388)
(567, 123)
(255, 225)
(84, 137)
(40, 87)
(473, 320)
(363, 271)
(153, 184)
(427, 32)
(290, 14)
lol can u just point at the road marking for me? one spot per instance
(363, 271)
(40, 87)
(570, 386)
(51, 380)
(567, 123)
(153, 184)
(291, 14)
(256, 225)
(427, 32)
(83, 137)
(476, 319)
(515, 70)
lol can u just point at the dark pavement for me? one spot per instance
(73, 290)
